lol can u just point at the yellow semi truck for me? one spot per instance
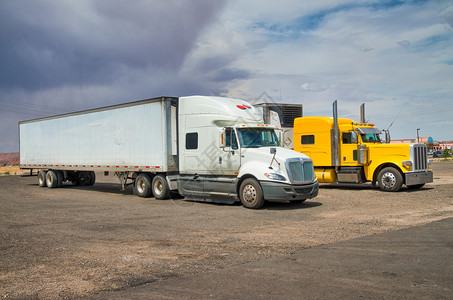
(346, 151)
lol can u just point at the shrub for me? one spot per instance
(446, 154)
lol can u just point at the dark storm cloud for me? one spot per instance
(48, 43)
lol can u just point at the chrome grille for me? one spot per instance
(300, 171)
(308, 171)
(419, 157)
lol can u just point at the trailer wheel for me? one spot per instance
(160, 187)
(51, 179)
(59, 178)
(84, 178)
(143, 185)
(390, 180)
(92, 177)
(87, 178)
(42, 178)
(251, 194)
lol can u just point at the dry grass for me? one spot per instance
(12, 170)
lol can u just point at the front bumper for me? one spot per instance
(276, 191)
(413, 178)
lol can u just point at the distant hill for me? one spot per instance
(9, 159)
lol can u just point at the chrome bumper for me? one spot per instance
(413, 178)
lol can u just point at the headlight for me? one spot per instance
(275, 176)
(407, 163)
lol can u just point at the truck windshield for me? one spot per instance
(257, 137)
(369, 134)
(371, 138)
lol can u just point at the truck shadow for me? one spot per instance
(368, 187)
(339, 186)
(291, 205)
(112, 188)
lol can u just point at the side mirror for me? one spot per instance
(387, 136)
(273, 150)
(222, 138)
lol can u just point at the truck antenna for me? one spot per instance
(391, 123)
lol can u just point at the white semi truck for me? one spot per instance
(206, 148)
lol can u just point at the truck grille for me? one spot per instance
(300, 171)
(419, 157)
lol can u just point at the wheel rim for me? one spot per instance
(141, 185)
(41, 179)
(389, 180)
(158, 187)
(49, 178)
(249, 193)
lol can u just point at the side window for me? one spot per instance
(231, 139)
(192, 140)
(307, 139)
(349, 138)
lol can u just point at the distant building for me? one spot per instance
(442, 145)
(425, 140)
(436, 146)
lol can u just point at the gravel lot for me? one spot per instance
(79, 241)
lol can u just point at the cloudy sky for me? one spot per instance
(59, 56)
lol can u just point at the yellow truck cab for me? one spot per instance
(346, 151)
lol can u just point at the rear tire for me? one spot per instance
(143, 185)
(51, 179)
(251, 194)
(42, 178)
(84, 178)
(59, 178)
(93, 177)
(161, 190)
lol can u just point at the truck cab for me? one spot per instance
(346, 151)
(227, 153)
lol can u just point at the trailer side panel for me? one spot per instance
(123, 138)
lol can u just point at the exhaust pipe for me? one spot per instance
(335, 138)
(362, 114)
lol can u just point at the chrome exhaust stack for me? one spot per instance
(362, 114)
(335, 138)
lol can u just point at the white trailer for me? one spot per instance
(206, 148)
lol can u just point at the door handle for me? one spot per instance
(220, 160)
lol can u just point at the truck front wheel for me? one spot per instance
(390, 180)
(251, 194)
(160, 187)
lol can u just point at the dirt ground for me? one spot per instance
(79, 241)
